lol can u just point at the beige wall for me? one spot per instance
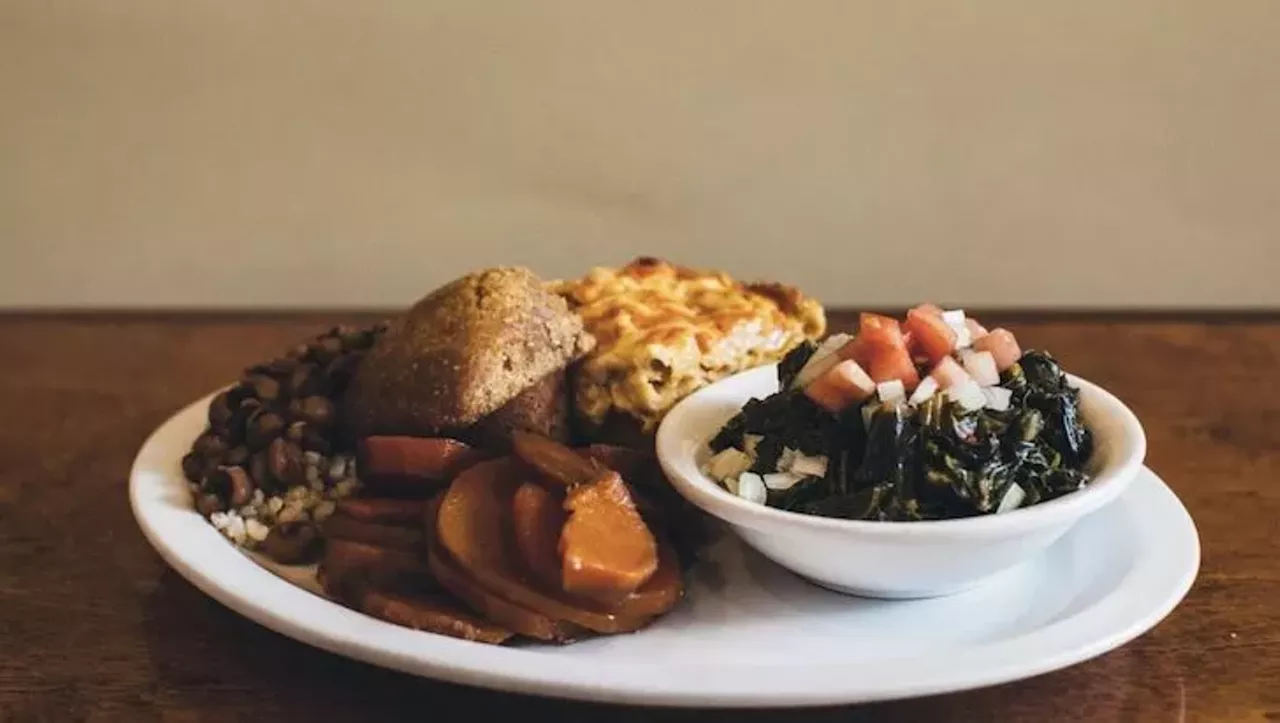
(324, 152)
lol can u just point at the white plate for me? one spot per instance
(750, 633)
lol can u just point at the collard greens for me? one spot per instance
(933, 461)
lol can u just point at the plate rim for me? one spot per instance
(182, 539)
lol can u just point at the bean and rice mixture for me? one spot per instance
(269, 465)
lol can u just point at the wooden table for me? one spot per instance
(93, 626)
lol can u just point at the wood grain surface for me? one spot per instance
(94, 626)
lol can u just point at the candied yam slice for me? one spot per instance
(493, 606)
(474, 528)
(660, 592)
(382, 511)
(430, 613)
(537, 518)
(348, 561)
(606, 549)
(557, 463)
(429, 458)
(341, 527)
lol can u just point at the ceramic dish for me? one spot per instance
(893, 559)
(750, 633)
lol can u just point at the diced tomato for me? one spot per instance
(976, 330)
(948, 373)
(880, 349)
(874, 331)
(930, 309)
(886, 363)
(842, 385)
(877, 329)
(867, 320)
(1002, 345)
(858, 349)
(935, 339)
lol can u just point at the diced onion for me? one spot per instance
(968, 395)
(924, 390)
(891, 391)
(728, 463)
(954, 318)
(998, 398)
(1012, 498)
(807, 466)
(785, 458)
(781, 480)
(824, 357)
(981, 365)
(751, 488)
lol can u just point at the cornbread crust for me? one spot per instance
(663, 331)
(461, 353)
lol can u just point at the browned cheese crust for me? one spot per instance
(463, 352)
(664, 331)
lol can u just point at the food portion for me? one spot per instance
(607, 550)
(664, 331)
(466, 351)
(430, 466)
(933, 417)
(269, 466)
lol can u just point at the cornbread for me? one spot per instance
(461, 353)
(664, 331)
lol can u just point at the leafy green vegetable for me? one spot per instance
(933, 461)
(793, 362)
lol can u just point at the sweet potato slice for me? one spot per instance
(348, 561)
(659, 593)
(431, 613)
(492, 606)
(632, 464)
(473, 527)
(537, 517)
(342, 527)
(412, 466)
(383, 511)
(607, 551)
(558, 464)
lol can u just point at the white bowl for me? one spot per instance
(893, 559)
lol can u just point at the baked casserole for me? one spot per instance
(664, 331)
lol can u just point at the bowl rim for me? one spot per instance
(678, 461)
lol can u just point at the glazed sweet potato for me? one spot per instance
(537, 517)
(660, 592)
(632, 464)
(343, 527)
(348, 561)
(557, 464)
(383, 511)
(474, 528)
(607, 551)
(431, 613)
(492, 606)
(412, 466)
